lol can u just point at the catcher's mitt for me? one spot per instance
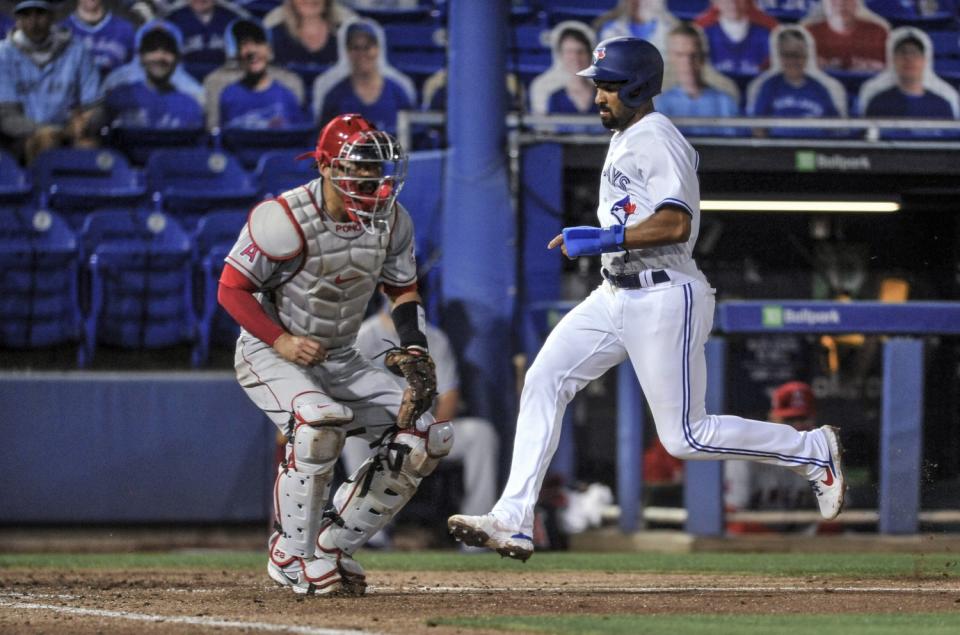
(413, 364)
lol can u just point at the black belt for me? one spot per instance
(639, 280)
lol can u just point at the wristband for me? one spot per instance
(589, 241)
(411, 322)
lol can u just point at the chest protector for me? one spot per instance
(341, 263)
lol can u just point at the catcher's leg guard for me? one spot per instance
(379, 488)
(302, 483)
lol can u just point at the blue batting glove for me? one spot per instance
(590, 241)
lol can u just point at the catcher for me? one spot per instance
(298, 280)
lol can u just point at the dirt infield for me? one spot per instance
(191, 601)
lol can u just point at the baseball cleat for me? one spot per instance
(487, 531)
(306, 578)
(830, 486)
(352, 576)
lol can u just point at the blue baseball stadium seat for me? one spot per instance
(16, 186)
(418, 50)
(74, 181)
(141, 285)
(191, 181)
(39, 296)
(139, 143)
(420, 14)
(931, 13)
(787, 10)
(687, 9)
(583, 10)
(215, 234)
(528, 52)
(279, 171)
(249, 144)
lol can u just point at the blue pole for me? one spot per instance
(630, 420)
(901, 436)
(703, 483)
(479, 228)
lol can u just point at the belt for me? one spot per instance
(646, 278)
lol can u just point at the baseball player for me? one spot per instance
(298, 280)
(654, 307)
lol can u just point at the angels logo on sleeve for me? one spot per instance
(623, 208)
(250, 252)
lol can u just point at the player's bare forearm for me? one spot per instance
(303, 351)
(670, 225)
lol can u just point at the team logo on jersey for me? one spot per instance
(250, 252)
(623, 208)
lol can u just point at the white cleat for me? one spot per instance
(313, 577)
(487, 531)
(830, 486)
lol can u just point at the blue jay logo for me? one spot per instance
(623, 208)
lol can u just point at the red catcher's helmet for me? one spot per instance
(368, 168)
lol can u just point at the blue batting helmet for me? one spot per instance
(636, 62)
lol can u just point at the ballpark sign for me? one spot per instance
(810, 161)
(818, 316)
(776, 316)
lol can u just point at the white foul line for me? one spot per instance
(661, 589)
(174, 619)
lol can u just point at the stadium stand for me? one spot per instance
(188, 182)
(16, 184)
(249, 144)
(214, 236)
(39, 296)
(74, 181)
(141, 284)
(278, 171)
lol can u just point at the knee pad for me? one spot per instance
(315, 409)
(380, 487)
(422, 451)
(315, 448)
(303, 483)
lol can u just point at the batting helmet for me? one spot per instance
(368, 167)
(631, 60)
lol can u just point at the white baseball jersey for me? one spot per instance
(635, 184)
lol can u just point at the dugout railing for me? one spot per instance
(901, 426)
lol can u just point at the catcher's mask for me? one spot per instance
(367, 168)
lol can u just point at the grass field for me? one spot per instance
(448, 592)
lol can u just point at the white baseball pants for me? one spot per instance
(663, 330)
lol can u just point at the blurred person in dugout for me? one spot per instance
(760, 487)
(477, 447)
(49, 85)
